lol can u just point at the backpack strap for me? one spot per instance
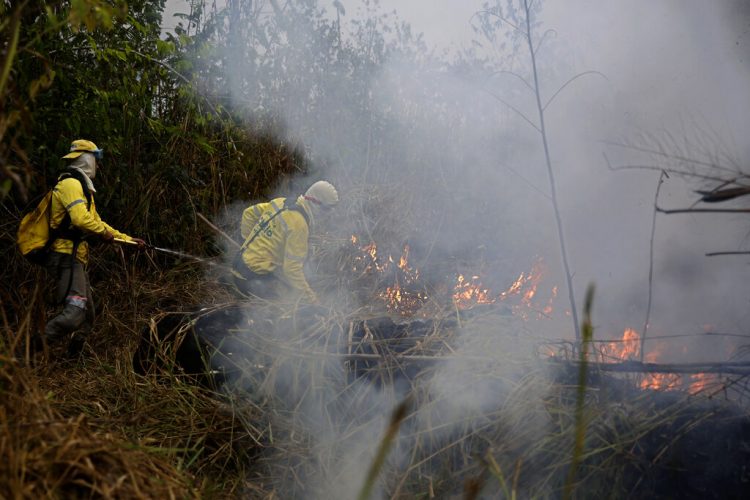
(292, 205)
(288, 205)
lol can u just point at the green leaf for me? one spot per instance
(165, 47)
(203, 143)
(5, 188)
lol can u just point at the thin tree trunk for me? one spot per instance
(651, 265)
(551, 175)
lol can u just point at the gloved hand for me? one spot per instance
(141, 243)
(108, 237)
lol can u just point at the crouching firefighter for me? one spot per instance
(73, 219)
(270, 261)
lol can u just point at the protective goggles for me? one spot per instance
(98, 154)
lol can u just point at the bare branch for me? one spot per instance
(549, 101)
(713, 254)
(724, 194)
(518, 112)
(551, 176)
(663, 175)
(503, 19)
(668, 170)
(210, 224)
(673, 157)
(539, 44)
(528, 182)
(704, 210)
(512, 73)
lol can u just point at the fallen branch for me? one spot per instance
(703, 210)
(737, 368)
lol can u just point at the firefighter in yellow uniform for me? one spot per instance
(275, 244)
(73, 217)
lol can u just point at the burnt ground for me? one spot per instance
(665, 444)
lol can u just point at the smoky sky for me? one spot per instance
(675, 76)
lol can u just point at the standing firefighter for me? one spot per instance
(271, 259)
(72, 219)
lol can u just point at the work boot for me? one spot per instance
(75, 347)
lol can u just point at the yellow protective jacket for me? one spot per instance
(282, 247)
(68, 197)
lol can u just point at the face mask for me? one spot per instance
(86, 163)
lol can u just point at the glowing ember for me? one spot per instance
(661, 381)
(547, 311)
(402, 301)
(468, 293)
(701, 381)
(397, 298)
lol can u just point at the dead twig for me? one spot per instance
(218, 230)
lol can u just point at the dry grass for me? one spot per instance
(487, 415)
(93, 428)
(50, 453)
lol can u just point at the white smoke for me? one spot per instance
(471, 175)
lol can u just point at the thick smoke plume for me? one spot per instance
(430, 146)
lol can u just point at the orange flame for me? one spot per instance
(470, 292)
(467, 292)
(396, 298)
(659, 381)
(628, 348)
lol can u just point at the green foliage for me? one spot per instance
(90, 69)
(94, 14)
(32, 35)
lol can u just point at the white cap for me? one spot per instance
(322, 192)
